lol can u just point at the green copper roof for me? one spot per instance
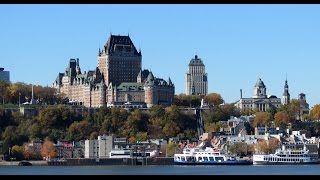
(196, 61)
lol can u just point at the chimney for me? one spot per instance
(240, 93)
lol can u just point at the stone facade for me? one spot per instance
(118, 79)
(86, 88)
(119, 60)
(259, 101)
(196, 78)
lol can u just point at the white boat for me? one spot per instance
(287, 156)
(127, 153)
(208, 156)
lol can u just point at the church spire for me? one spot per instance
(286, 94)
(99, 53)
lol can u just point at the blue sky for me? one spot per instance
(238, 43)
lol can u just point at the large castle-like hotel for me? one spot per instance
(117, 81)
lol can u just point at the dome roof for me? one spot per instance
(260, 83)
(196, 61)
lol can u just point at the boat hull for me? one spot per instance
(283, 163)
(235, 162)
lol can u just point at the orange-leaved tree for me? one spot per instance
(48, 150)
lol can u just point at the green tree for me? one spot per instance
(171, 149)
(142, 136)
(187, 100)
(17, 152)
(213, 127)
(78, 131)
(240, 149)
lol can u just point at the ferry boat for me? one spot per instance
(208, 156)
(287, 156)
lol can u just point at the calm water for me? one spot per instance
(163, 170)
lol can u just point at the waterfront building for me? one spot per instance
(98, 148)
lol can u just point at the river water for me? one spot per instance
(163, 170)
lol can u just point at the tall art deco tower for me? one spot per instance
(196, 78)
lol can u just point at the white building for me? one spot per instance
(259, 101)
(99, 148)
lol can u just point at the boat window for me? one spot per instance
(219, 158)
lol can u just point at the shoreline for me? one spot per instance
(97, 161)
(15, 163)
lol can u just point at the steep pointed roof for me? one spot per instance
(286, 89)
(150, 80)
(150, 76)
(170, 82)
(120, 43)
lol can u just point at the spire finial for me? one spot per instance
(286, 77)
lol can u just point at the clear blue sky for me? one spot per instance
(237, 43)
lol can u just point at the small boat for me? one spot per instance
(208, 156)
(287, 156)
(24, 163)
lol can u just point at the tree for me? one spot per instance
(17, 152)
(214, 99)
(215, 114)
(262, 119)
(48, 150)
(295, 107)
(213, 127)
(4, 91)
(28, 152)
(239, 148)
(187, 100)
(141, 136)
(267, 146)
(315, 112)
(281, 119)
(78, 131)
(171, 149)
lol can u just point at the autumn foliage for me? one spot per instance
(267, 146)
(48, 150)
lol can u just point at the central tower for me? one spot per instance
(196, 78)
(119, 61)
